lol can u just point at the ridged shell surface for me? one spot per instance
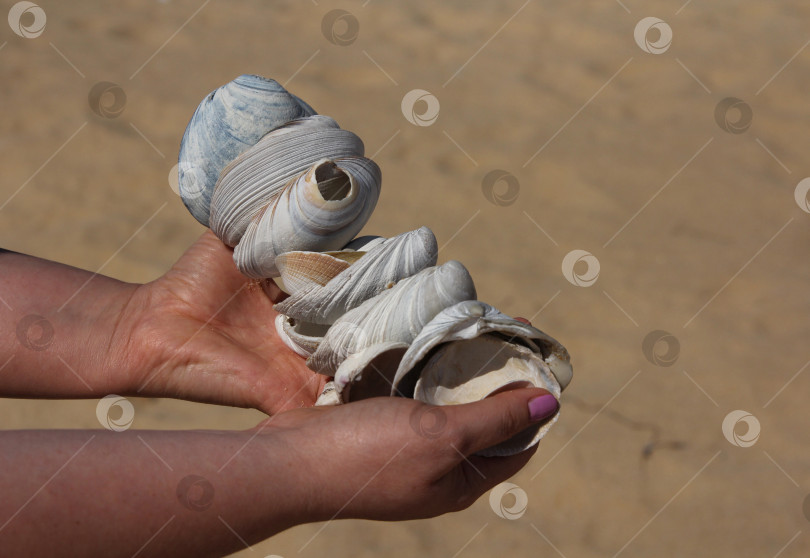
(312, 213)
(385, 264)
(227, 122)
(396, 315)
(258, 176)
(469, 319)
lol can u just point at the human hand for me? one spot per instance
(381, 458)
(201, 332)
(399, 459)
(205, 332)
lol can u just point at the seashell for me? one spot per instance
(470, 351)
(301, 270)
(472, 369)
(328, 397)
(288, 189)
(259, 175)
(395, 315)
(364, 243)
(227, 122)
(368, 373)
(321, 273)
(381, 267)
(470, 319)
(301, 337)
(321, 210)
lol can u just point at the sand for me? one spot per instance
(613, 150)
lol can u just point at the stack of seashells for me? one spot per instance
(288, 189)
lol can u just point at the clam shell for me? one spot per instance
(301, 270)
(321, 210)
(257, 177)
(227, 122)
(396, 315)
(470, 319)
(382, 266)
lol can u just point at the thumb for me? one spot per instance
(495, 419)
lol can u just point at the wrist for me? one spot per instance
(126, 356)
(95, 336)
(138, 348)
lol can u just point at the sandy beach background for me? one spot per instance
(609, 138)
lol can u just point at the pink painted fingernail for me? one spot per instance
(543, 407)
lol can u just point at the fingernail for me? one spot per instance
(543, 407)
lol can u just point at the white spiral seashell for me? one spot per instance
(227, 122)
(397, 315)
(321, 210)
(288, 190)
(314, 301)
(470, 319)
(470, 351)
(256, 162)
(260, 174)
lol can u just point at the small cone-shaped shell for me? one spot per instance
(321, 210)
(472, 369)
(227, 122)
(380, 268)
(257, 177)
(396, 315)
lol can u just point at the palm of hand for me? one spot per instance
(211, 337)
